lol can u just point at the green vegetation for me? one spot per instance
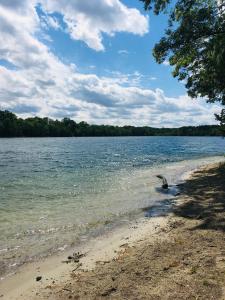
(194, 44)
(221, 119)
(11, 126)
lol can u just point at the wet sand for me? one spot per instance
(179, 255)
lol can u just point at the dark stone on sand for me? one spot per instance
(165, 186)
(38, 278)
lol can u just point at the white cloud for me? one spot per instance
(166, 63)
(123, 51)
(88, 20)
(41, 84)
(49, 21)
(97, 100)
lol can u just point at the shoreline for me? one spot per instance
(145, 183)
(102, 250)
(185, 260)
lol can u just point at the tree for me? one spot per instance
(221, 119)
(8, 124)
(11, 126)
(194, 44)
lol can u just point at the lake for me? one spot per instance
(56, 192)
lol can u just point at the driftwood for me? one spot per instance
(165, 183)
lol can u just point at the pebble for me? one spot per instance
(38, 278)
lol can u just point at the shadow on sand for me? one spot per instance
(206, 192)
(204, 195)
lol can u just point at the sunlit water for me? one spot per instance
(55, 192)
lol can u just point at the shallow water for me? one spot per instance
(55, 192)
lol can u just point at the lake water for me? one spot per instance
(56, 192)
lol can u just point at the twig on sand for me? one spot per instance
(66, 289)
(77, 267)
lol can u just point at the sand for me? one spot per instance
(23, 284)
(179, 255)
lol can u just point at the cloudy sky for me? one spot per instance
(91, 61)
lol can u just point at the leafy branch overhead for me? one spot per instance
(194, 44)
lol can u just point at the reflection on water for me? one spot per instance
(56, 191)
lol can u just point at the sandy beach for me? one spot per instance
(178, 255)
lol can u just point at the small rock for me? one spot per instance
(38, 278)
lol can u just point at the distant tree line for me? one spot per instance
(11, 126)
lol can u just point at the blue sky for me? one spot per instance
(90, 61)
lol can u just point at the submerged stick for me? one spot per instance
(165, 183)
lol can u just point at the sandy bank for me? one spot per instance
(56, 270)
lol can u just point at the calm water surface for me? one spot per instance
(55, 192)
